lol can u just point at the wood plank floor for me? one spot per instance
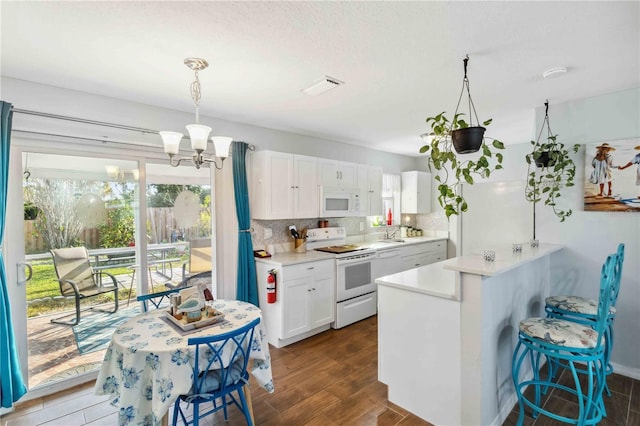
(329, 379)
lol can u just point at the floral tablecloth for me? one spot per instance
(148, 363)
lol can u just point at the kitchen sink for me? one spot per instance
(391, 240)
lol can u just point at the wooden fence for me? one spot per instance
(161, 228)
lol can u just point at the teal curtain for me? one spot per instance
(13, 386)
(246, 284)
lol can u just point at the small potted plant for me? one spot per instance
(450, 169)
(550, 167)
(30, 211)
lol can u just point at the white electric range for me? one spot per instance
(356, 296)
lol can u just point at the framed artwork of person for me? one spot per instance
(612, 176)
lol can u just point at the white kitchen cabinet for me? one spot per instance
(416, 192)
(422, 254)
(284, 186)
(305, 300)
(308, 300)
(337, 174)
(370, 184)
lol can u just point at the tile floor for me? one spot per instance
(54, 355)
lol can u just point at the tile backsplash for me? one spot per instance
(431, 224)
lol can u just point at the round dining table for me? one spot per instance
(149, 364)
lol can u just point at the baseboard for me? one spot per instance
(623, 370)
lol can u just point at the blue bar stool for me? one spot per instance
(569, 343)
(584, 311)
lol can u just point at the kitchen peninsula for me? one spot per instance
(446, 333)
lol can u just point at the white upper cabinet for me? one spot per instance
(306, 197)
(337, 174)
(284, 186)
(416, 192)
(370, 184)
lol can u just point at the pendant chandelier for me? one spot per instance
(198, 133)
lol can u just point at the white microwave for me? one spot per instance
(339, 202)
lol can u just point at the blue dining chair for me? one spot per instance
(220, 369)
(579, 347)
(156, 300)
(584, 310)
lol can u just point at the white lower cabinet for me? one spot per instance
(305, 300)
(308, 303)
(404, 257)
(417, 255)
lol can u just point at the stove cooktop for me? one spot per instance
(346, 248)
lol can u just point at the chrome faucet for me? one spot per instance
(389, 237)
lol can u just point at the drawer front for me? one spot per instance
(319, 268)
(356, 309)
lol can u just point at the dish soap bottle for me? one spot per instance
(389, 218)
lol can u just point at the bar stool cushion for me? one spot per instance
(577, 304)
(560, 332)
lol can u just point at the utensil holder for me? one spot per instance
(300, 245)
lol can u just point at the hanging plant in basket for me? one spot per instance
(550, 168)
(448, 141)
(30, 211)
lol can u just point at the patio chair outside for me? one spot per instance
(76, 278)
(199, 257)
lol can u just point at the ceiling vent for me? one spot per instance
(554, 72)
(323, 85)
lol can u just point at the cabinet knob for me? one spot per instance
(310, 267)
(314, 289)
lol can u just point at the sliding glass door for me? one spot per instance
(145, 223)
(87, 204)
(178, 224)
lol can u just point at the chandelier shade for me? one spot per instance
(171, 141)
(198, 135)
(222, 145)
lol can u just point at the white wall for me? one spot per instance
(38, 97)
(55, 100)
(588, 236)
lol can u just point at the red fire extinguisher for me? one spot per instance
(271, 286)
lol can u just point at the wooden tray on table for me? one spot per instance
(183, 325)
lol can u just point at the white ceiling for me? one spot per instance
(401, 61)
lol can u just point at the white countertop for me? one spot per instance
(293, 258)
(505, 260)
(379, 245)
(431, 279)
(440, 279)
